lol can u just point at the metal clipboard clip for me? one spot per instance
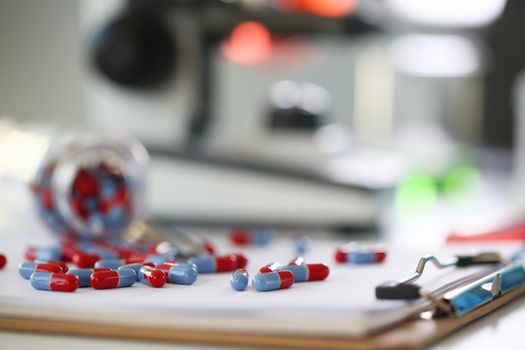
(464, 299)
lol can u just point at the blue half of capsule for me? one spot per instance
(183, 273)
(204, 263)
(158, 259)
(84, 276)
(360, 257)
(300, 272)
(109, 263)
(239, 280)
(135, 267)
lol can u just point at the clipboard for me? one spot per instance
(485, 295)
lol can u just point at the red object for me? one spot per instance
(104, 279)
(249, 43)
(86, 184)
(271, 267)
(154, 277)
(511, 233)
(46, 198)
(297, 261)
(208, 247)
(62, 265)
(47, 268)
(340, 256)
(61, 282)
(240, 237)
(30, 253)
(317, 272)
(164, 268)
(226, 263)
(241, 260)
(3, 261)
(124, 253)
(85, 260)
(287, 279)
(379, 256)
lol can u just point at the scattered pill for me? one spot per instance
(113, 279)
(151, 276)
(102, 252)
(307, 272)
(271, 267)
(239, 280)
(84, 275)
(48, 253)
(58, 282)
(179, 273)
(113, 264)
(353, 253)
(259, 237)
(27, 268)
(211, 263)
(263, 282)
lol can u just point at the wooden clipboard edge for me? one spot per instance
(401, 337)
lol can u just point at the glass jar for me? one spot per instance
(90, 185)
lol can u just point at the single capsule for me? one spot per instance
(27, 268)
(354, 253)
(179, 273)
(263, 282)
(113, 279)
(136, 267)
(3, 261)
(239, 280)
(299, 260)
(307, 272)
(241, 260)
(211, 263)
(58, 282)
(49, 253)
(259, 237)
(151, 276)
(271, 267)
(62, 264)
(84, 275)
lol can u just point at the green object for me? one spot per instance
(417, 194)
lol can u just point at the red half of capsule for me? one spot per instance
(85, 260)
(3, 261)
(317, 272)
(379, 256)
(62, 265)
(48, 268)
(287, 279)
(104, 279)
(340, 256)
(271, 267)
(124, 253)
(155, 277)
(226, 263)
(241, 260)
(62, 282)
(164, 268)
(240, 237)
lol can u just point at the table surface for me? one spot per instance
(502, 327)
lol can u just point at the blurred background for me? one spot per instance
(304, 114)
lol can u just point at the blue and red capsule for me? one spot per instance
(264, 282)
(58, 282)
(354, 253)
(113, 279)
